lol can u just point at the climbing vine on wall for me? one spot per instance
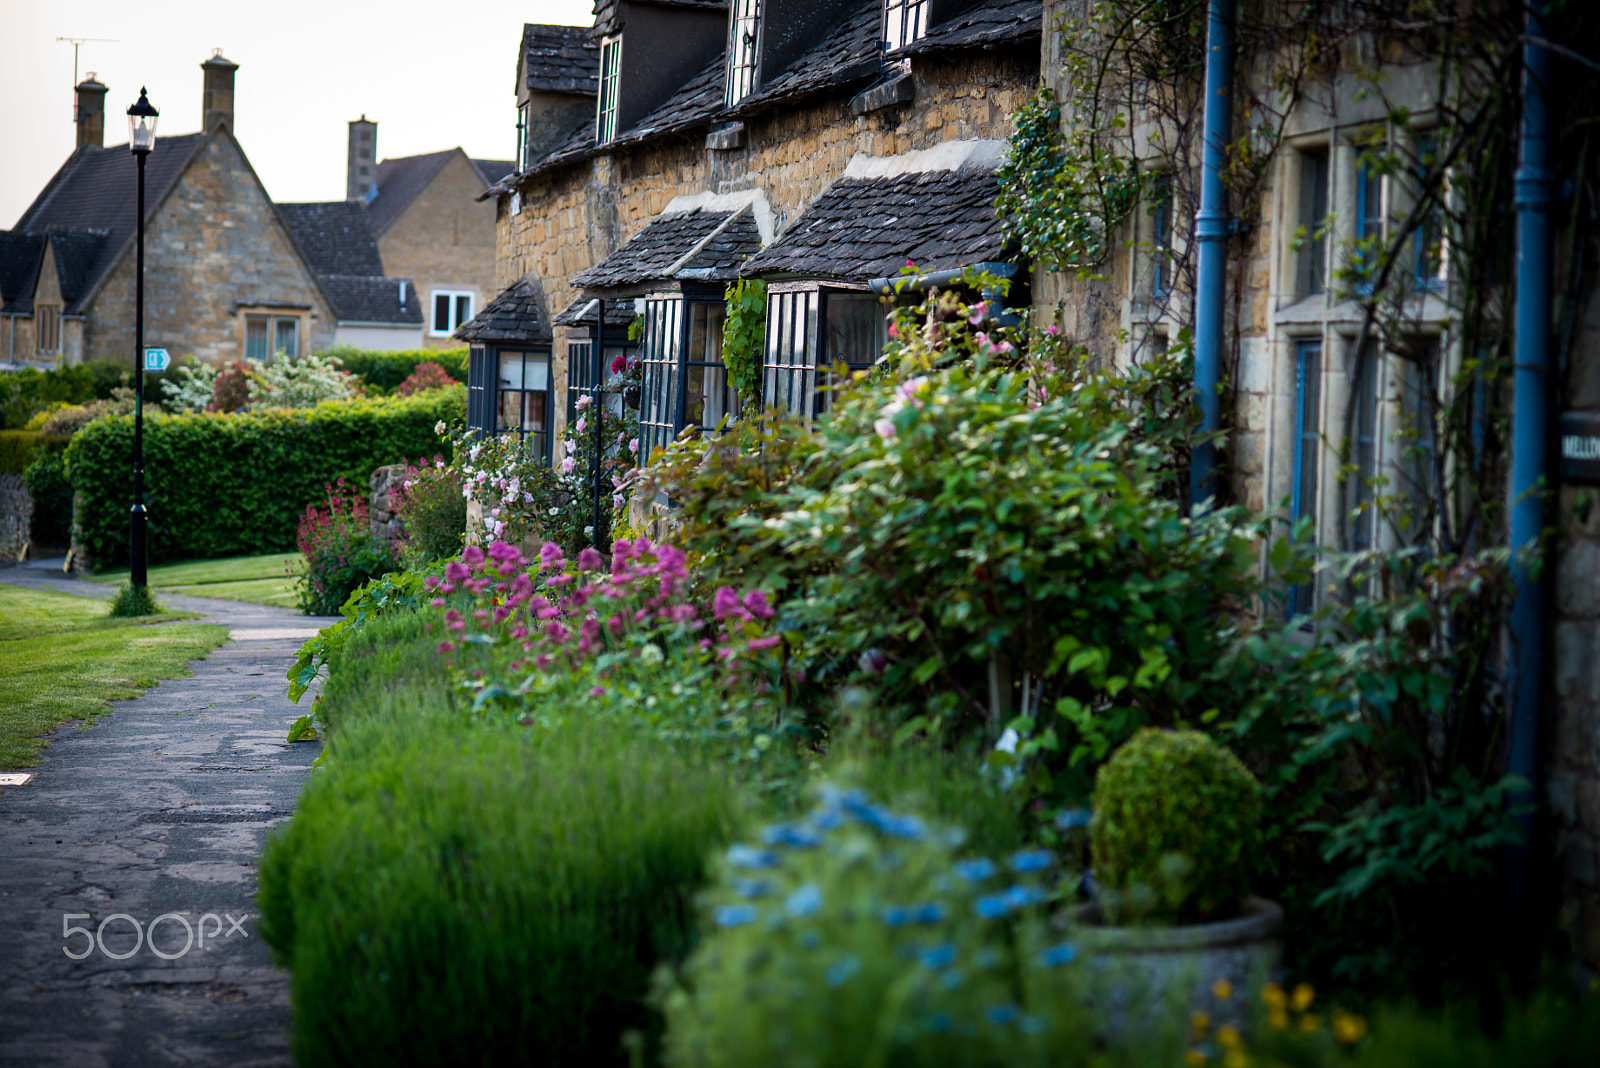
(744, 336)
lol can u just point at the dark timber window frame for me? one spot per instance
(804, 318)
(491, 409)
(605, 116)
(681, 353)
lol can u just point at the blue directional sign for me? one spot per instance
(156, 359)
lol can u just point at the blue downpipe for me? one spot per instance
(1211, 229)
(1530, 421)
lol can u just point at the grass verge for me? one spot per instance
(62, 658)
(266, 579)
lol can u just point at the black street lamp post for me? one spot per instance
(141, 140)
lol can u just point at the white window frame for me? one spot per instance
(744, 49)
(605, 115)
(905, 22)
(455, 320)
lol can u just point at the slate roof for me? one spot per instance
(94, 194)
(719, 259)
(559, 59)
(334, 237)
(607, 13)
(517, 314)
(618, 313)
(492, 170)
(20, 255)
(847, 56)
(864, 228)
(647, 257)
(400, 180)
(984, 25)
(369, 299)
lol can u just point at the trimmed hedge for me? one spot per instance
(20, 448)
(384, 371)
(221, 485)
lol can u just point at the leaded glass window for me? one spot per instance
(743, 49)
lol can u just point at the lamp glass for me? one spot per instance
(142, 125)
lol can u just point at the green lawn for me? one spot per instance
(258, 579)
(62, 658)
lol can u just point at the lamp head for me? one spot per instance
(142, 125)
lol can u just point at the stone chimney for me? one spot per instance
(217, 105)
(91, 112)
(361, 161)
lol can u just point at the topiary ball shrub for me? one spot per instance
(1176, 828)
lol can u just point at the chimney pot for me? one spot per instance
(91, 99)
(217, 100)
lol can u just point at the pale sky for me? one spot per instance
(432, 75)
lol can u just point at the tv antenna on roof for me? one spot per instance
(76, 43)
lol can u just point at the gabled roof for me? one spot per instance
(985, 25)
(368, 299)
(20, 255)
(847, 56)
(334, 237)
(398, 181)
(701, 244)
(608, 13)
(886, 211)
(94, 194)
(618, 313)
(516, 315)
(492, 170)
(559, 59)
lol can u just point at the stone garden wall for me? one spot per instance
(16, 515)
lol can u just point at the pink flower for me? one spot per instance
(756, 602)
(1052, 330)
(633, 445)
(725, 603)
(567, 465)
(885, 428)
(583, 424)
(551, 556)
(764, 643)
(456, 571)
(589, 560)
(584, 401)
(619, 363)
(598, 691)
(472, 555)
(909, 263)
(446, 646)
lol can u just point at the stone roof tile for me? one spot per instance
(334, 237)
(665, 241)
(369, 299)
(516, 315)
(559, 59)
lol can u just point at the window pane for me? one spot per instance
(856, 329)
(510, 407)
(1365, 519)
(1307, 438)
(510, 370)
(255, 338)
(1313, 217)
(287, 340)
(534, 408)
(441, 312)
(463, 310)
(742, 51)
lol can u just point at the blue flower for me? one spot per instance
(941, 956)
(1020, 896)
(1065, 953)
(841, 972)
(1032, 860)
(810, 939)
(1073, 818)
(897, 915)
(796, 835)
(827, 819)
(743, 856)
(752, 887)
(932, 912)
(1001, 1015)
(973, 870)
(941, 1022)
(736, 915)
(952, 979)
(991, 907)
(804, 901)
(1031, 1025)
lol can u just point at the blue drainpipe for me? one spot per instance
(1211, 229)
(1530, 423)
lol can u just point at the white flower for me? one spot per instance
(885, 428)
(651, 654)
(483, 476)
(570, 446)
(438, 428)
(567, 465)
(555, 511)
(588, 531)
(1008, 742)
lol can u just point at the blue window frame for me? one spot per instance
(1307, 438)
(1428, 244)
(1363, 513)
(1161, 238)
(1369, 218)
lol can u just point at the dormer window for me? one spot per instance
(905, 22)
(744, 40)
(523, 116)
(605, 126)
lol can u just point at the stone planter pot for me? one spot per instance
(1146, 974)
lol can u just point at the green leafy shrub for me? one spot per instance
(133, 601)
(433, 510)
(427, 376)
(25, 393)
(223, 485)
(1176, 829)
(191, 387)
(341, 550)
(382, 372)
(231, 389)
(20, 448)
(446, 893)
(299, 382)
(855, 935)
(46, 479)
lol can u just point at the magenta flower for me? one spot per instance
(765, 643)
(551, 556)
(756, 602)
(589, 560)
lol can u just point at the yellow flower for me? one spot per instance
(1310, 1022)
(1303, 997)
(1235, 1058)
(1199, 1022)
(1195, 1057)
(1277, 1019)
(1222, 990)
(1274, 996)
(1348, 1027)
(1228, 1037)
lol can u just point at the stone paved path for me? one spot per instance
(160, 807)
